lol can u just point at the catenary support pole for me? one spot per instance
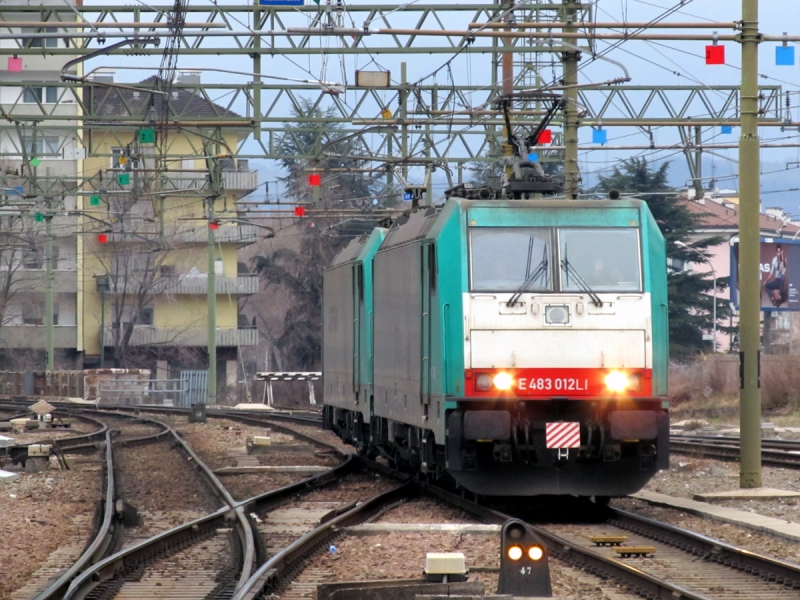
(49, 304)
(214, 175)
(749, 254)
(212, 309)
(570, 58)
(698, 162)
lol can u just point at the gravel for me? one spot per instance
(689, 476)
(42, 512)
(165, 489)
(402, 555)
(219, 441)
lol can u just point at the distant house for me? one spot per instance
(719, 216)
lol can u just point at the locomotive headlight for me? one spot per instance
(617, 381)
(535, 553)
(483, 382)
(503, 381)
(514, 552)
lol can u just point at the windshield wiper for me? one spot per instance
(570, 270)
(541, 270)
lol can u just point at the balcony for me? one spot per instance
(198, 234)
(174, 285)
(35, 280)
(35, 336)
(146, 335)
(242, 180)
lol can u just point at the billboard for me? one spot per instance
(779, 268)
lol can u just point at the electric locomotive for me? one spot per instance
(516, 346)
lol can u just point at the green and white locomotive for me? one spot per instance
(516, 346)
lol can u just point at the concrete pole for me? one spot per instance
(48, 302)
(212, 306)
(698, 163)
(257, 70)
(102, 329)
(404, 118)
(570, 58)
(749, 254)
(214, 179)
(507, 77)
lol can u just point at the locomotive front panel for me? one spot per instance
(560, 392)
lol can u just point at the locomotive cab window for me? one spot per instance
(508, 259)
(603, 260)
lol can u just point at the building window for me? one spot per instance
(44, 144)
(32, 314)
(146, 316)
(32, 260)
(34, 94)
(31, 42)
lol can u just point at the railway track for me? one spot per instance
(774, 453)
(214, 555)
(683, 565)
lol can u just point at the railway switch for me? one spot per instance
(524, 568)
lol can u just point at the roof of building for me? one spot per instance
(183, 103)
(714, 215)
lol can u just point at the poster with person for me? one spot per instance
(779, 267)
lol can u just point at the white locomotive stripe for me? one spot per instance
(563, 435)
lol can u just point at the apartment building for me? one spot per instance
(145, 216)
(40, 163)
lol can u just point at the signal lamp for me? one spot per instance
(617, 381)
(535, 553)
(515, 552)
(503, 381)
(102, 238)
(483, 382)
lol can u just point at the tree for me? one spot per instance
(298, 272)
(691, 297)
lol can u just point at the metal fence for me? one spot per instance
(195, 385)
(132, 392)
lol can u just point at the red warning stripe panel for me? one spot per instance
(563, 435)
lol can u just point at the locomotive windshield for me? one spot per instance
(604, 260)
(507, 259)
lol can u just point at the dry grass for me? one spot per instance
(709, 388)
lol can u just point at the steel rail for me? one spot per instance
(729, 439)
(101, 540)
(86, 580)
(119, 563)
(221, 492)
(84, 441)
(597, 564)
(770, 457)
(270, 572)
(709, 549)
